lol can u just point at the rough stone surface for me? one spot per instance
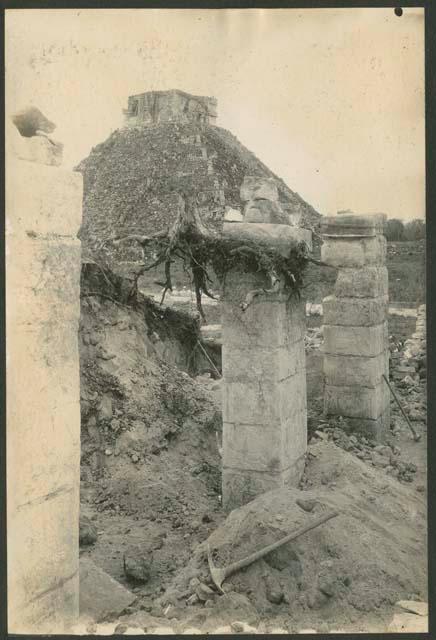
(371, 428)
(132, 181)
(137, 564)
(368, 282)
(419, 608)
(42, 324)
(357, 401)
(356, 354)
(282, 237)
(346, 252)
(355, 341)
(364, 371)
(100, 595)
(257, 188)
(87, 531)
(240, 487)
(264, 381)
(355, 312)
(154, 107)
(353, 225)
(408, 623)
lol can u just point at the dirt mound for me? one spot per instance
(150, 467)
(372, 555)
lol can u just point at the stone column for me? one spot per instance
(43, 214)
(264, 377)
(356, 352)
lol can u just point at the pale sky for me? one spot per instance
(332, 100)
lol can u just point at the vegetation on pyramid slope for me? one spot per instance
(133, 182)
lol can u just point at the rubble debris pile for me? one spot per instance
(133, 181)
(150, 464)
(382, 456)
(333, 577)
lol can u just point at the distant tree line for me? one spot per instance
(397, 231)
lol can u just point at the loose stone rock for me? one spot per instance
(420, 608)
(87, 531)
(204, 592)
(137, 564)
(306, 505)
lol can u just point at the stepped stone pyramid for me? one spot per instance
(169, 145)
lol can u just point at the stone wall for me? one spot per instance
(356, 353)
(156, 107)
(43, 206)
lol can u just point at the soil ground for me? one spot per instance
(151, 482)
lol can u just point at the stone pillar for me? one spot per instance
(43, 208)
(356, 350)
(264, 377)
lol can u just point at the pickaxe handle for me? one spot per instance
(416, 436)
(245, 562)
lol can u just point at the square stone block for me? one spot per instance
(283, 237)
(360, 252)
(376, 429)
(101, 597)
(355, 341)
(241, 486)
(294, 436)
(261, 211)
(242, 363)
(293, 404)
(266, 323)
(44, 368)
(356, 312)
(368, 282)
(56, 203)
(43, 553)
(46, 263)
(255, 187)
(353, 225)
(251, 402)
(354, 370)
(356, 402)
(263, 401)
(255, 447)
(55, 612)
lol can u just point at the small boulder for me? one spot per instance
(137, 564)
(204, 592)
(379, 460)
(274, 592)
(87, 531)
(306, 505)
(412, 606)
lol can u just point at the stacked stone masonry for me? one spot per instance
(43, 400)
(356, 353)
(264, 369)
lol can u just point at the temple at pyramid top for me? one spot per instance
(157, 107)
